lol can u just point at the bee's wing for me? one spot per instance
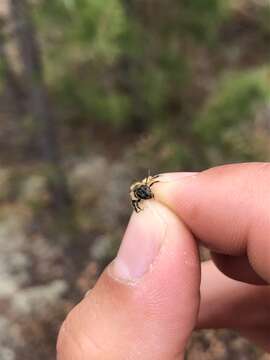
(133, 186)
(145, 181)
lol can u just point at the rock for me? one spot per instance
(38, 299)
(5, 179)
(101, 247)
(88, 178)
(114, 203)
(6, 353)
(7, 339)
(9, 285)
(34, 191)
(14, 262)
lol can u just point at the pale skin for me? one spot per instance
(149, 299)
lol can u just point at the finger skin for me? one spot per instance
(227, 208)
(151, 318)
(237, 268)
(226, 303)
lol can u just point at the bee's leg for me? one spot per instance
(138, 206)
(154, 182)
(134, 204)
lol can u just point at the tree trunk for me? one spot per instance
(38, 104)
(13, 87)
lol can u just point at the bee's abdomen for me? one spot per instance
(143, 192)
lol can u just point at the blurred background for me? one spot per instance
(93, 93)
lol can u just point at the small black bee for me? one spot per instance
(141, 190)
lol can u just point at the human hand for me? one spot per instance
(227, 208)
(145, 305)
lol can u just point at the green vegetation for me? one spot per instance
(227, 120)
(134, 65)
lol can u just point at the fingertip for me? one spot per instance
(212, 204)
(172, 186)
(227, 209)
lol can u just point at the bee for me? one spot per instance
(141, 190)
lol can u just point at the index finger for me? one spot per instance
(226, 207)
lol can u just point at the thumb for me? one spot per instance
(145, 304)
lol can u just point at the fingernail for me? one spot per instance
(141, 243)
